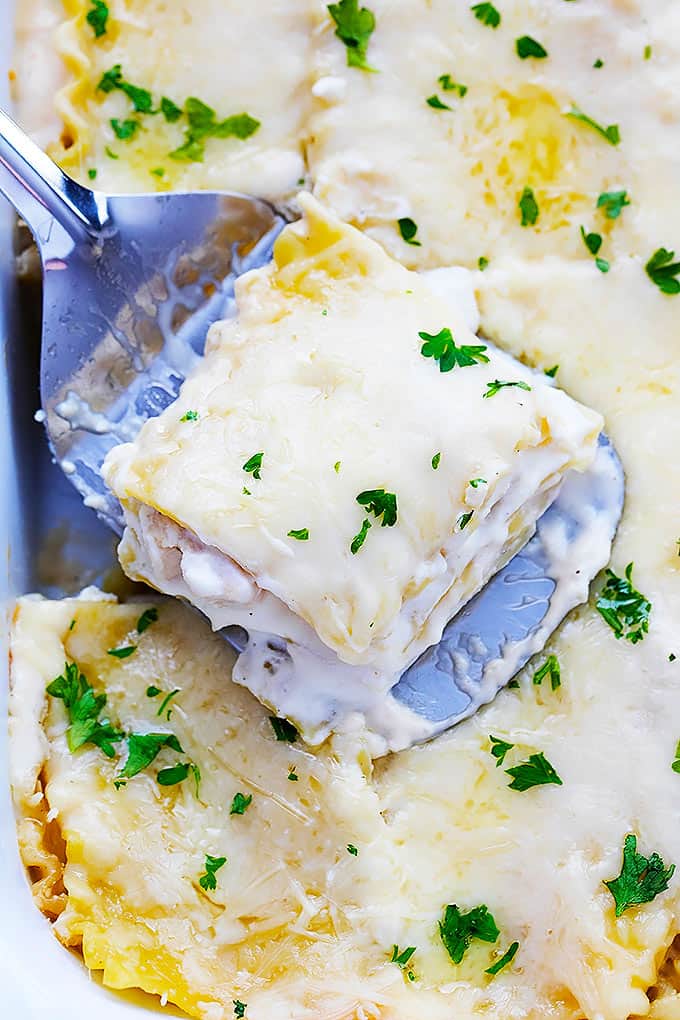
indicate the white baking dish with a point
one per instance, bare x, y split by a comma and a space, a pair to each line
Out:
38, 977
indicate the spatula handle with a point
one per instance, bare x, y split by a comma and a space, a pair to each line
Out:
41, 192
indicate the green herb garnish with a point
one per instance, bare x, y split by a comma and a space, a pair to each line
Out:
487, 14
351, 849
240, 803
593, 242
499, 749
464, 520
166, 701
492, 388
212, 866
113, 79
528, 207
457, 930
97, 18
189, 416
449, 85
551, 372
301, 534
175, 774
148, 617
143, 748
122, 653
382, 504
435, 461
528, 47
663, 271
283, 729
84, 708
550, 668
253, 465
402, 958
354, 27
171, 111
92, 173
293, 776
408, 229
360, 536
203, 123
613, 203
535, 771
124, 129
442, 347
641, 879
610, 133
239, 1009
152, 691
507, 957
676, 763
436, 103
476, 482
482, 263
623, 607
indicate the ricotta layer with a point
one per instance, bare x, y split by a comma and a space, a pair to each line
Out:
322, 376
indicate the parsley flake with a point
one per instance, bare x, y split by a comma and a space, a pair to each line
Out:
97, 18
442, 347
610, 133
139, 97
212, 866
623, 607
360, 536
641, 879
487, 14
122, 653
457, 929
203, 123
166, 701
189, 416
676, 763
351, 849
507, 957
171, 111
240, 803
613, 203
464, 520
148, 617
528, 47
602, 265
302, 534
435, 461
354, 27
152, 691
143, 748
447, 83
283, 729
528, 207
293, 776
499, 749
663, 271
92, 173
598, 63
239, 1009
436, 103
482, 263
124, 129
175, 774
550, 668
382, 504
492, 388
408, 229
593, 242
110, 153
253, 465
551, 372
84, 708
535, 771
476, 482
647, 52
403, 957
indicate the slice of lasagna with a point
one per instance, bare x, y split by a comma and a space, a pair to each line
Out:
343, 472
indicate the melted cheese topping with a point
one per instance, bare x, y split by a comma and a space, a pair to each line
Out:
322, 372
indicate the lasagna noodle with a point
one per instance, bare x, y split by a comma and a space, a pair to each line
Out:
322, 372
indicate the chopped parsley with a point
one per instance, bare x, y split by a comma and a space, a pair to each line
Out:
166, 701
623, 607
203, 123
212, 866
610, 133
551, 372
613, 203
283, 729
442, 347
507, 957
139, 97
143, 748
110, 153
351, 849
240, 803
492, 388
302, 534
435, 461
593, 243
360, 536
436, 103
239, 1009
449, 85
647, 52
641, 879
598, 63
528, 47
535, 771
487, 14
354, 27
482, 263
124, 129
402, 958
122, 653
148, 617
293, 776
476, 482
92, 173
408, 229
382, 504
84, 708
464, 520
171, 111
152, 691
457, 929
676, 763
528, 207
663, 271
189, 416
253, 465
550, 668
175, 774
336, 466
97, 17
499, 749
157, 171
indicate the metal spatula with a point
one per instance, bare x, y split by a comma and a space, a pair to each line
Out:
132, 283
